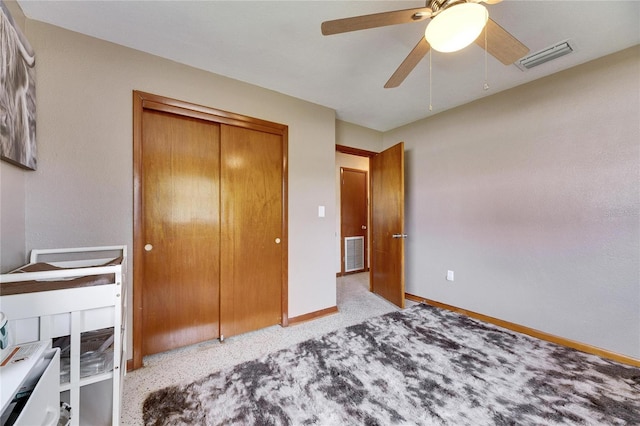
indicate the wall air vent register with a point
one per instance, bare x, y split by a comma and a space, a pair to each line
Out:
545, 55
353, 254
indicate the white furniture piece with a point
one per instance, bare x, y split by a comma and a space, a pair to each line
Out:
68, 292
30, 377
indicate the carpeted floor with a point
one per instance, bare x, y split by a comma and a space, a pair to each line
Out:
181, 366
423, 365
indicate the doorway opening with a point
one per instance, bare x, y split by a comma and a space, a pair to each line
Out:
353, 219
385, 229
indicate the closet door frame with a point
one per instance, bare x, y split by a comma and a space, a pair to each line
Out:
142, 101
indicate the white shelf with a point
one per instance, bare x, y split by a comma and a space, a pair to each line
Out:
71, 311
89, 380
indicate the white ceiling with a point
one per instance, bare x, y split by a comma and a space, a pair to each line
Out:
278, 45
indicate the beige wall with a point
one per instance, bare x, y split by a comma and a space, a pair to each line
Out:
349, 134
12, 195
82, 192
12, 212
532, 197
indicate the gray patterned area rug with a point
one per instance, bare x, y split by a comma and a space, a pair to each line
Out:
422, 366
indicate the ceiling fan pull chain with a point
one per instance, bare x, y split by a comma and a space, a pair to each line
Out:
486, 73
430, 85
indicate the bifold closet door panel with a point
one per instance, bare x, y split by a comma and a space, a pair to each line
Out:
251, 176
181, 193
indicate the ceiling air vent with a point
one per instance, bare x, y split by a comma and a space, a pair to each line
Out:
545, 55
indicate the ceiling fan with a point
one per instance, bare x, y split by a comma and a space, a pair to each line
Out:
452, 21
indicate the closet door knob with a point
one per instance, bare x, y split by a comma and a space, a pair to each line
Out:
277, 240
148, 247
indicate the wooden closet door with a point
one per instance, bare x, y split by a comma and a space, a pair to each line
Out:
251, 176
180, 203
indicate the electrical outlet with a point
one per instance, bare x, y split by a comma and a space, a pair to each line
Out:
449, 275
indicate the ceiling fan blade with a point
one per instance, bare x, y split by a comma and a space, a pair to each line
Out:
408, 64
375, 20
500, 44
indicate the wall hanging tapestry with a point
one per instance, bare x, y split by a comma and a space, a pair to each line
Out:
17, 94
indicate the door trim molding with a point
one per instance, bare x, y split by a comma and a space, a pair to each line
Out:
142, 101
355, 151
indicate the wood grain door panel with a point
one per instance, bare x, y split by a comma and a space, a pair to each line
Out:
387, 219
201, 231
181, 224
252, 233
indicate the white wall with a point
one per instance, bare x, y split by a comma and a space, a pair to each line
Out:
532, 197
82, 193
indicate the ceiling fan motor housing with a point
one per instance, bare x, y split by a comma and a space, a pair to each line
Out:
439, 5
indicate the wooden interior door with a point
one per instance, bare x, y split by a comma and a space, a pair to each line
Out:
253, 234
354, 211
180, 262
387, 224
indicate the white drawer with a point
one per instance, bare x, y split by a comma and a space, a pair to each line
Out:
43, 406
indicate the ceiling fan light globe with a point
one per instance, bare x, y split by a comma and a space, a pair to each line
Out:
456, 27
